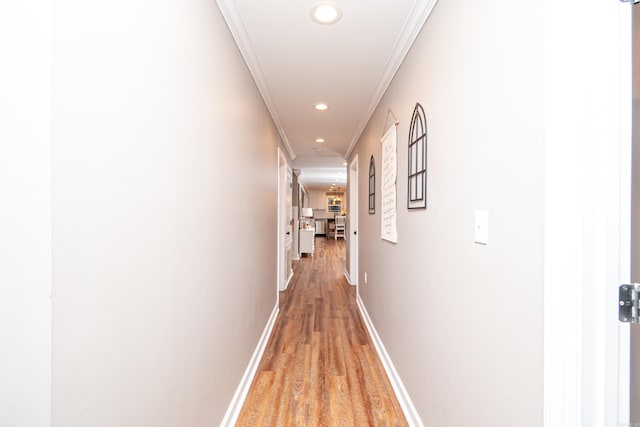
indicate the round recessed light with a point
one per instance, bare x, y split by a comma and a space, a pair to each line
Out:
320, 140
344, 164
321, 107
326, 13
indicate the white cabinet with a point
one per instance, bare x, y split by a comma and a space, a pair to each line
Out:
307, 237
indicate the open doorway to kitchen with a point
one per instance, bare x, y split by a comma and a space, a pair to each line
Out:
320, 221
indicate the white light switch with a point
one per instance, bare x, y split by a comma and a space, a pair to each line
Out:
482, 227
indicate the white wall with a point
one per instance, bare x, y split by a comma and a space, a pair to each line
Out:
317, 199
25, 213
163, 279
463, 322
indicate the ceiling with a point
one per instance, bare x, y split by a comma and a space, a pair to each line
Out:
298, 63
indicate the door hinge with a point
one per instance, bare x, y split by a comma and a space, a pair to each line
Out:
629, 303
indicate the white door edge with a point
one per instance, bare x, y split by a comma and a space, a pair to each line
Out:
281, 273
353, 221
622, 367
586, 197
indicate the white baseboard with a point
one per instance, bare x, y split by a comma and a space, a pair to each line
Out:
346, 274
286, 285
410, 412
233, 411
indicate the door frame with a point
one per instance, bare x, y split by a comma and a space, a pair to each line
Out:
353, 250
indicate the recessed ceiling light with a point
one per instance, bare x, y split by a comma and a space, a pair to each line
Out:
321, 107
326, 13
320, 140
344, 164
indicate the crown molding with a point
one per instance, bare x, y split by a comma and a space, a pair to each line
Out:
420, 12
238, 29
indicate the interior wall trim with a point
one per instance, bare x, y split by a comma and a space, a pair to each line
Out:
410, 411
346, 276
233, 411
233, 18
420, 12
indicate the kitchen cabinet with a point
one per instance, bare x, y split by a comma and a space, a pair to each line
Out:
307, 240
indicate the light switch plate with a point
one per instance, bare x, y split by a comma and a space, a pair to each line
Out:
482, 227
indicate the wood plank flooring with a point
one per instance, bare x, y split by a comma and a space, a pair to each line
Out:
320, 367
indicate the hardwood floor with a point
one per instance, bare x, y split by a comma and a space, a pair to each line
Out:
320, 367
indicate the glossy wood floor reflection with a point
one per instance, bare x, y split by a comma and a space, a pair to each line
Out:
320, 367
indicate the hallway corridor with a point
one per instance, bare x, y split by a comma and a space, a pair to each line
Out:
320, 367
